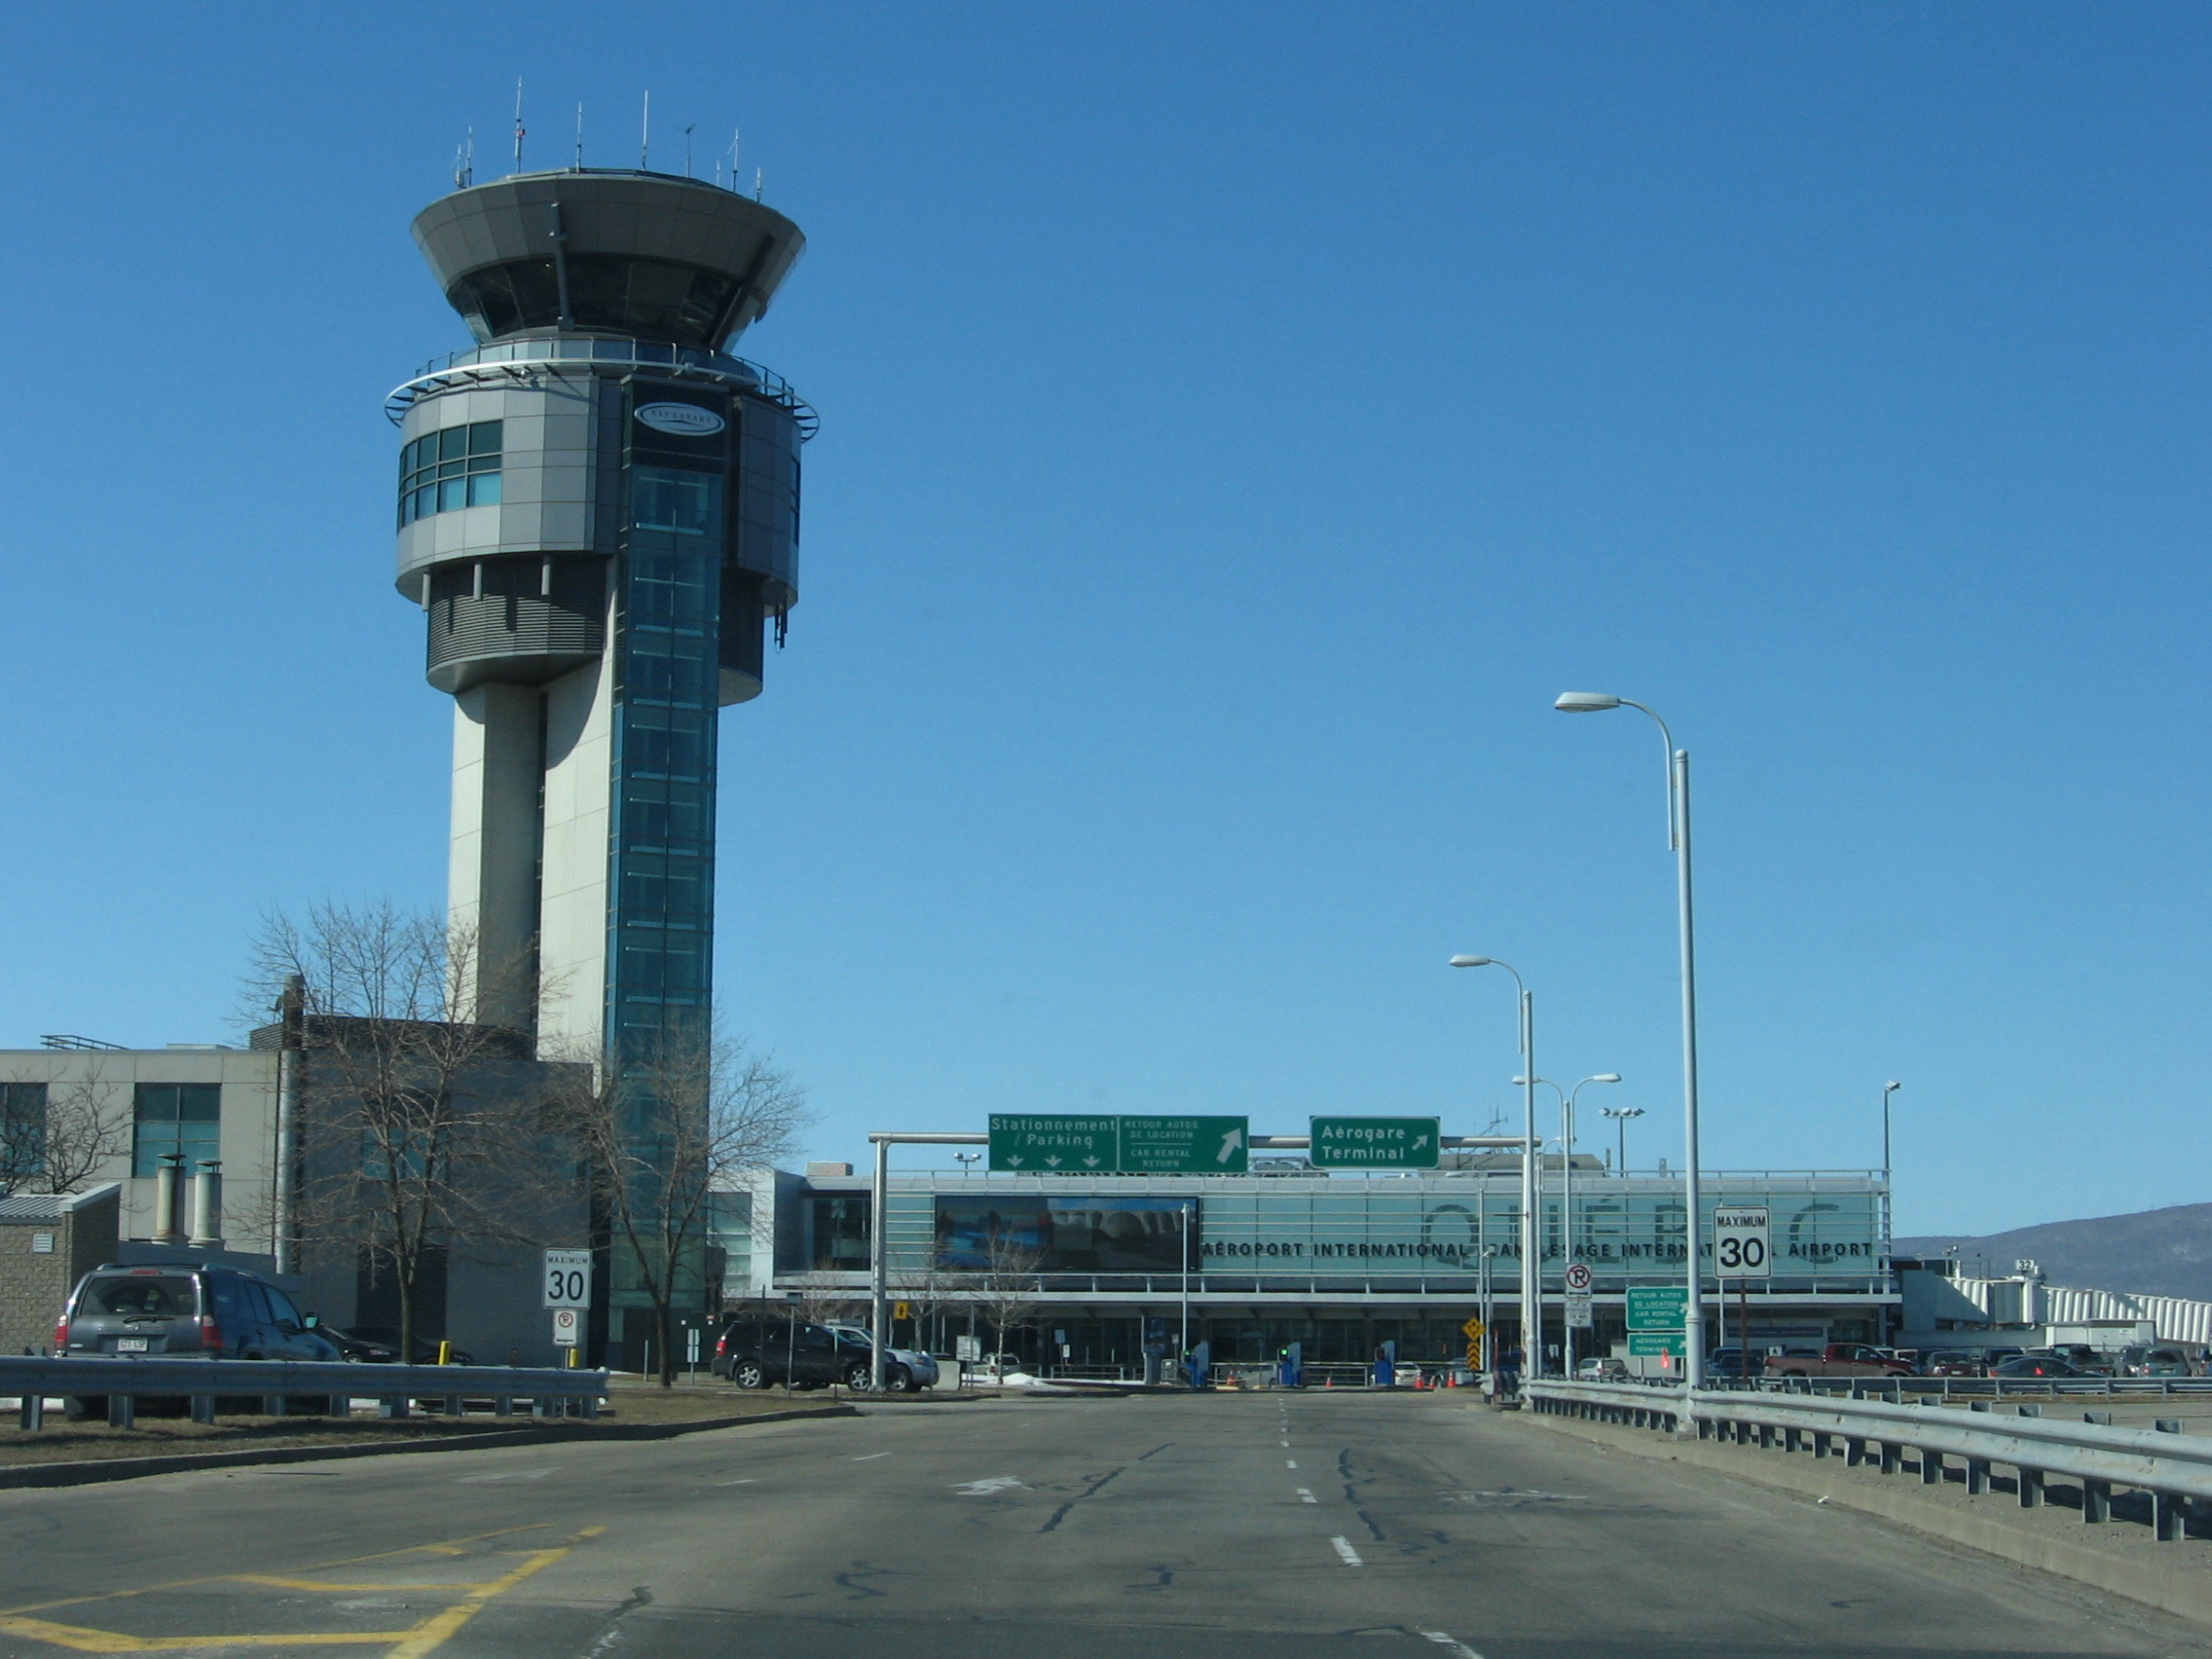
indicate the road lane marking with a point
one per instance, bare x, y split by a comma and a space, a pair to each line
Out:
1344, 1549
871, 1456
416, 1642
1305, 1496
510, 1475
984, 1489
1443, 1639
1290, 1462
748, 1481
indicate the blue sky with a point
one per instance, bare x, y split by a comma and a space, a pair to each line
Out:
1238, 421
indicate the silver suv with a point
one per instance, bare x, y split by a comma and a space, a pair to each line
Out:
186, 1312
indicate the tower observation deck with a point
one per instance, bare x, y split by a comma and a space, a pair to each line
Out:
598, 512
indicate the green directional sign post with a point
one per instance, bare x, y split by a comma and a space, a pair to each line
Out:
1186, 1146
1374, 1143
1657, 1307
1026, 1144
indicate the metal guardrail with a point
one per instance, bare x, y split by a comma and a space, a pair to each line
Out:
1974, 1387
277, 1383
2168, 1465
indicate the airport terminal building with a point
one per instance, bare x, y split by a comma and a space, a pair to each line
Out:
1342, 1262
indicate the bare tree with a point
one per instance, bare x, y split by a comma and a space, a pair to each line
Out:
421, 1130
1008, 1289
58, 1133
659, 1132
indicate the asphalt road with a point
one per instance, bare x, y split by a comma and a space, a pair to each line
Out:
1291, 1525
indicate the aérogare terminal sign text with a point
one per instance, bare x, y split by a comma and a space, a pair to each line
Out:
1373, 1143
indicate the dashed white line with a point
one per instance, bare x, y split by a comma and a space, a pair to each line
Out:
1305, 1496
748, 1481
871, 1456
1344, 1549
1290, 1462
1443, 1639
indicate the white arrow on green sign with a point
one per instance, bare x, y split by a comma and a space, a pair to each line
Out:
1374, 1143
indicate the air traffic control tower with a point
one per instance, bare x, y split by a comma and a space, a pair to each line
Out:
599, 513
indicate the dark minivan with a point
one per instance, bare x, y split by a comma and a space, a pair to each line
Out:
185, 1311
755, 1354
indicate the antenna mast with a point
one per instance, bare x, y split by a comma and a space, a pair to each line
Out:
518, 124
580, 138
687, 150
646, 134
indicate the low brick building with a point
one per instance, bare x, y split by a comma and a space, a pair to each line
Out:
47, 1241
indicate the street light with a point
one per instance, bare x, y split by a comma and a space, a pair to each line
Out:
1566, 1100
1677, 840
1531, 1309
1888, 1089
1621, 1116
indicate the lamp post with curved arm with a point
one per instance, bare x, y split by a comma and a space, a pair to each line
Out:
1677, 840
1531, 1307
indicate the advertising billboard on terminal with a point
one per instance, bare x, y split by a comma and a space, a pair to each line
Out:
1076, 1233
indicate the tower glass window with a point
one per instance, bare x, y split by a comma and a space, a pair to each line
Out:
175, 1116
458, 466
23, 1132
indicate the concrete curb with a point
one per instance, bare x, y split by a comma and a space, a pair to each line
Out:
93, 1471
2179, 1590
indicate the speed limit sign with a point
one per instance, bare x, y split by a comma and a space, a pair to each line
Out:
567, 1279
1740, 1243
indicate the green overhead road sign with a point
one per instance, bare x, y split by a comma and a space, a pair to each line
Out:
1186, 1146
1374, 1143
1024, 1144
1657, 1307
1649, 1345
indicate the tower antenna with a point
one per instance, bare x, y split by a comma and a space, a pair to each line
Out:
687, 150
580, 138
465, 162
736, 137
759, 176
518, 124
646, 134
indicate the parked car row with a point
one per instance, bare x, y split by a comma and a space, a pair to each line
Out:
761, 1354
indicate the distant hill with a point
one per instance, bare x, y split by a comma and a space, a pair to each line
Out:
2161, 1252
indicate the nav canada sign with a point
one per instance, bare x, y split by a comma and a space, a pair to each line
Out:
1037, 1145
1374, 1143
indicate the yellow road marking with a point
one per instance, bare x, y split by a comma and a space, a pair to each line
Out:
431, 1633
414, 1642
447, 1547
83, 1641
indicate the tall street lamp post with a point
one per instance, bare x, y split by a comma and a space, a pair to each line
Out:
1620, 1115
1566, 1100
1888, 1089
1532, 1310
1678, 839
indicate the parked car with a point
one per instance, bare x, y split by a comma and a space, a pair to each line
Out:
1728, 1362
2140, 1361
1602, 1371
1956, 1362
187, 1311
2080, 1355
904, 1369
1837, 1359
2040, 1365
755, 1354
378, 1348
